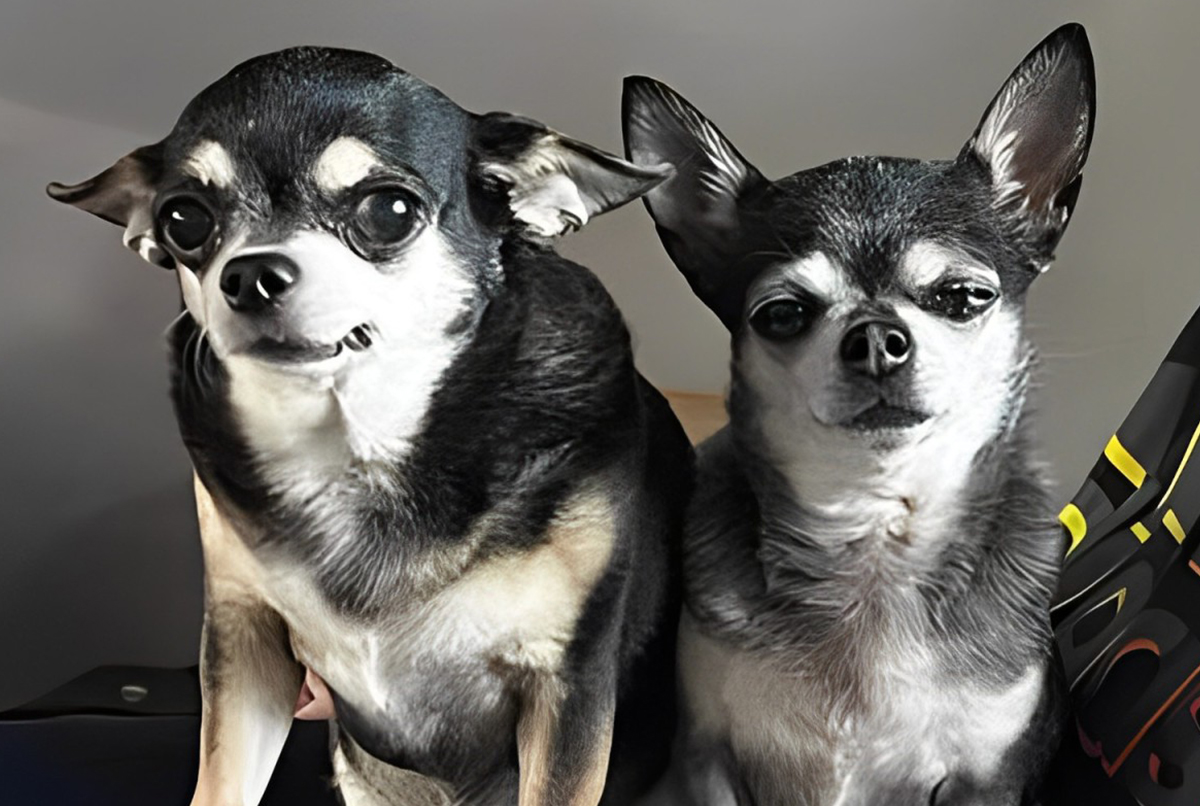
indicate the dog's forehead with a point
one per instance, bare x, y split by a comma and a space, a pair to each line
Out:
866, 213
317, 113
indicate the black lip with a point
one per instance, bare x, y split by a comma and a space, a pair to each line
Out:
304, 352
293, 352
883, 416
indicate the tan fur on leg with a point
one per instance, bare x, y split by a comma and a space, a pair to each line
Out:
542, 782
249, 679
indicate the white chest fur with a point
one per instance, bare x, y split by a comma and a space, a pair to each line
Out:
914, 725
487, 618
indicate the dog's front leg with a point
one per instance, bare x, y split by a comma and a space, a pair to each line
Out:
249, 679
564, 737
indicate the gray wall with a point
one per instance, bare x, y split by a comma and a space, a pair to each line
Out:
98, 555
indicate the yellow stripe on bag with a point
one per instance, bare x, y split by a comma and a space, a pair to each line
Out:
1121, 459
1140, 532
1076, 524
1173, 526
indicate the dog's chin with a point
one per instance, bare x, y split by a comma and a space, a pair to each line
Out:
312, 356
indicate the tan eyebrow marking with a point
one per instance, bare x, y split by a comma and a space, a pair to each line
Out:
344, 162
211, 164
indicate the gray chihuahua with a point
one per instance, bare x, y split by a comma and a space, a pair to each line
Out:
871, 551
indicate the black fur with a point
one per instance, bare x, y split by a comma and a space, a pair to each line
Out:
547, 396
542, 400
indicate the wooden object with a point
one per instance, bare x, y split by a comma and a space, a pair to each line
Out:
702, 414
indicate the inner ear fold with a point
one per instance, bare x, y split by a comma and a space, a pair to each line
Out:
698, 210
555, 184
1035, 135
123, 195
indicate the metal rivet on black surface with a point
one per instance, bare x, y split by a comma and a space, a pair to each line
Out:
134, 693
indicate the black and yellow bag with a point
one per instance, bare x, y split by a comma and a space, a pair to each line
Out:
1127, 615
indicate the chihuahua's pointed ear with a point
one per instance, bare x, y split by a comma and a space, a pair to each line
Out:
698, 210
123, 195
554, 184
1034, 137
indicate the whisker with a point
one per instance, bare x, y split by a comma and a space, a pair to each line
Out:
196, 355
767, 253
205, 358
782, 242
786, 253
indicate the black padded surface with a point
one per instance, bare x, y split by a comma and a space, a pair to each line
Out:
86, 745
95, 760
119, 690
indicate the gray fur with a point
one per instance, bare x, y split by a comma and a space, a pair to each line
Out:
870, 552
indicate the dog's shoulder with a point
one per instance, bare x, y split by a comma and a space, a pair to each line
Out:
724, 497
1003, 574
722, 575
559, 290
555, 333
549, 366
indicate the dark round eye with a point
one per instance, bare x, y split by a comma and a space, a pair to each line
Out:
186, 222
387, 217
778, 320
962, 301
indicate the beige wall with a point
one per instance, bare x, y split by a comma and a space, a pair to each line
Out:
98, 561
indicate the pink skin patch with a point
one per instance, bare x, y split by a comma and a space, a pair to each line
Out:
315, 701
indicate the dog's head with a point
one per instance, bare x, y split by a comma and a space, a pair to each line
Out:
322, 205
872, 300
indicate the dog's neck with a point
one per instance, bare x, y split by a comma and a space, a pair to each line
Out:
813, 546
867, 557
902, 497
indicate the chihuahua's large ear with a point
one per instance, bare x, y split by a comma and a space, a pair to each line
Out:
1035, 135
554, 184
697, 211
123, 195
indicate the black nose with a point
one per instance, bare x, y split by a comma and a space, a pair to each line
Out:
254, 282
876, 348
